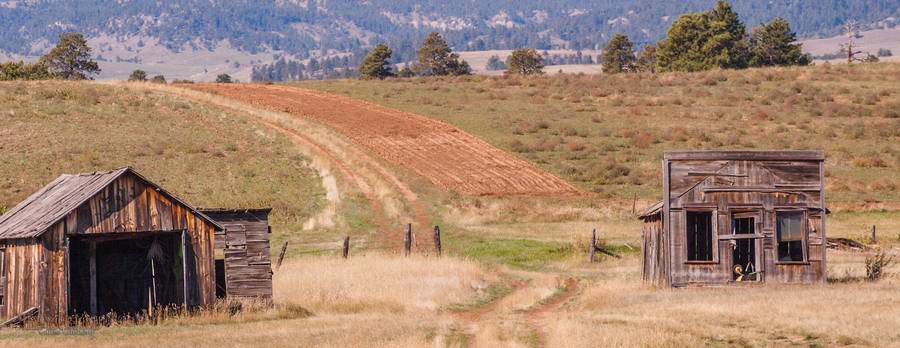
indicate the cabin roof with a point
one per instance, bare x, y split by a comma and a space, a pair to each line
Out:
33, 216
764, 155
235, 210
650, 211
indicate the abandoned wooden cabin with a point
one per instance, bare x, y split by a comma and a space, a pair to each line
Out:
102, 242
730, 217
243, 269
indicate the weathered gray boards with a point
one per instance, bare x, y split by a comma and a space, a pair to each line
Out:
729, 217
245, 242
102, 242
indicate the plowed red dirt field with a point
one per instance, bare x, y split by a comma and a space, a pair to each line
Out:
447, 156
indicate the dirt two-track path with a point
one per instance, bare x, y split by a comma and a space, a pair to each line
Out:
535, 300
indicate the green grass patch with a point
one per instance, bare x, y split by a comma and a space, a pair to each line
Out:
521, 253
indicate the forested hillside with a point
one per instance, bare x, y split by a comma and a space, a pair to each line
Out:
305, 28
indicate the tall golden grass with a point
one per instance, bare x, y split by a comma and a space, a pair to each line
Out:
379, 283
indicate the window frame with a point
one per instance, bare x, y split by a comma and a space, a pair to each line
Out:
804, 231
714, 234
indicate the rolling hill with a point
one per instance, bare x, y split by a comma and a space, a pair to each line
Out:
199, 39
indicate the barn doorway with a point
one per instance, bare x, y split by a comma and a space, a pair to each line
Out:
125, 273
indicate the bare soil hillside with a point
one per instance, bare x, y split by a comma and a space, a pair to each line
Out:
447, 156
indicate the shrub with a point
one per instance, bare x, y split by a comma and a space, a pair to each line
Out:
876, 264
576, 147
869, 162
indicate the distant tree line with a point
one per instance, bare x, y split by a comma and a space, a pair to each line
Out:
305, 29
433, 57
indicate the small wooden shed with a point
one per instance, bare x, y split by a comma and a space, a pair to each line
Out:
101, 242
731, 217
245, 269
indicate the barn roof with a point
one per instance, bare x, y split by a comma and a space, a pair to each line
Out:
31, 217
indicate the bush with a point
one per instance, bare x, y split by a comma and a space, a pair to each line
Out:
875, 265
869, 162
223, 78
158, 79
138, 75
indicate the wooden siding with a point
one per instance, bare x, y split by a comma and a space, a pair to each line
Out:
762, 182
248, 270
654, 251
38, 267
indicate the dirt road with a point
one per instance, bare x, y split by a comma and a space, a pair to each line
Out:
447, 156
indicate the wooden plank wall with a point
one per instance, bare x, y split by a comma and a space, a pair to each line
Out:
248, 270
741, 185
129, 204
23, 274
654, 250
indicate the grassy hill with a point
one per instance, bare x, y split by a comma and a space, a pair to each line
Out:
606, 133
206, 156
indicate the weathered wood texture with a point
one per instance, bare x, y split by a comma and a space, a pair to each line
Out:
248, 267
37, 267
758, 184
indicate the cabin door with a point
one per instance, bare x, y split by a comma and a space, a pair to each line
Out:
744, 237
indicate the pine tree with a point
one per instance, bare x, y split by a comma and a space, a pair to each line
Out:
646, 62
525, 61
618, 55
71, 58
436, 58
774, 44
705, 40
376, 65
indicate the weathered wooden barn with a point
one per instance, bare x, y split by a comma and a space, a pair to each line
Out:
730, 217
102, 242
244, 269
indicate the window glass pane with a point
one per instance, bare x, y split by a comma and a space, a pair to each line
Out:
790, 226
699, 235
790, 236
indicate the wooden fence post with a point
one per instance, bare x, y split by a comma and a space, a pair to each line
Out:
874, 240
346, 246
593, 244
281, 256
437, 240
407, 239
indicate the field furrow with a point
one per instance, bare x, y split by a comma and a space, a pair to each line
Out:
450, 158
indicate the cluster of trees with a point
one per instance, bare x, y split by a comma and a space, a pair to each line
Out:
575, 58
69, 60
435, 58
709, 40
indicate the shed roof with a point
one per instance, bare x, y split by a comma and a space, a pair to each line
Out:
652, 210
31, 217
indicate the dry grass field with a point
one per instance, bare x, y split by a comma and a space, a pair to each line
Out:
606, 133
514, 271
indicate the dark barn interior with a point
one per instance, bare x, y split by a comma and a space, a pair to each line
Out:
132, 273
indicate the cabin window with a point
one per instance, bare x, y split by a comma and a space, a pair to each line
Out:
699, 235
790, 236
